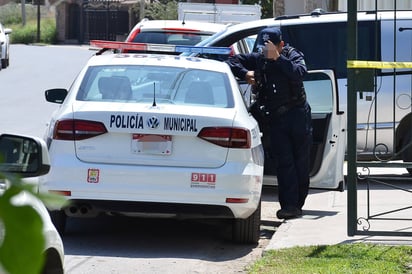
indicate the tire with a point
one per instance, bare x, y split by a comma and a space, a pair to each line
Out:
247, 231
59, 218
407, 153
53, 264
3, 63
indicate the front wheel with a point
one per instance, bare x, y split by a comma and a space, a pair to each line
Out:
247, 231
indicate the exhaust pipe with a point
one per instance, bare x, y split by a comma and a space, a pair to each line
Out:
82, 210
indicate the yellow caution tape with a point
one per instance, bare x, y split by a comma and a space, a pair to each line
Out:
378, 65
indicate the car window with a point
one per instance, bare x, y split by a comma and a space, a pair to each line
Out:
250, 41
163, 84
403, 42
330, 48
318, 88
174, 38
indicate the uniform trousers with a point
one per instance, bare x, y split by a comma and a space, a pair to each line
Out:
291, 140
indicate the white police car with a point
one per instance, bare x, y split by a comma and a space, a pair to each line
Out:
159, 136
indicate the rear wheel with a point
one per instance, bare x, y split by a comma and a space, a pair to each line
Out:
58, 218
247, 231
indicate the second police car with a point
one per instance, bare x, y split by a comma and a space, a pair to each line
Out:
155, 135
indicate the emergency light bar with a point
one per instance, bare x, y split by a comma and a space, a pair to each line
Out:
158, 47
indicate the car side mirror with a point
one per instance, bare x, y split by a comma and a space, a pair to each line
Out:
23, 155
56, 95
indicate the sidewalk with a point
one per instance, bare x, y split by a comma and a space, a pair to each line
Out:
324, 220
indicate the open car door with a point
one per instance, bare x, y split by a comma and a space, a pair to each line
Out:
329, 133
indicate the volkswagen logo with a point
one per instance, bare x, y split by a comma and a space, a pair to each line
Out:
153, 122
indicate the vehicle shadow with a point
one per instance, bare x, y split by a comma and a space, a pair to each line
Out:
120, 236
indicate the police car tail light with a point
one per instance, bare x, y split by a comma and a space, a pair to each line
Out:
226, 136
133, 35
73, 129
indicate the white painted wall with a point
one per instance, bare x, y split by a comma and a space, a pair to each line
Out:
382, 5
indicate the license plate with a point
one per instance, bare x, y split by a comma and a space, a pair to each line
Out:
152, 144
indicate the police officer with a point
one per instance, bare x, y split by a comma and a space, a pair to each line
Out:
276, 71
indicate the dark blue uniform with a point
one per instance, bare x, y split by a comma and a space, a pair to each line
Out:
288, 117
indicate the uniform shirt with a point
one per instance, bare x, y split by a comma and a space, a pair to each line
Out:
281, 79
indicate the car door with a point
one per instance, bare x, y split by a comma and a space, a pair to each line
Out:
329, 132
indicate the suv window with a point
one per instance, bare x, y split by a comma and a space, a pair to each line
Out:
324, 45
403, 42
319, 92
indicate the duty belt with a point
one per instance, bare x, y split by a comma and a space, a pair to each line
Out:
285, 108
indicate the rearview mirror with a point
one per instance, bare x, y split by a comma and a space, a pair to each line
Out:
23, 155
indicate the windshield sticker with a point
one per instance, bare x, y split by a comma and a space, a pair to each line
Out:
180, 124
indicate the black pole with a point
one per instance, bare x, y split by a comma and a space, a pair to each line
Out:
352, 120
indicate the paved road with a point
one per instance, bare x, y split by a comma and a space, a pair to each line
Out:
32, 70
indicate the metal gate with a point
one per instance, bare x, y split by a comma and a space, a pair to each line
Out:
359, 176
104, 20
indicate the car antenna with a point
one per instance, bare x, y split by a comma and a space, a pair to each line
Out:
154, 94
183, 20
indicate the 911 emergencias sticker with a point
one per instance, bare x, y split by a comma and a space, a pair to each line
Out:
203, 180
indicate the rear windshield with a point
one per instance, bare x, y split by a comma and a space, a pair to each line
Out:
165, 85
174, 38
